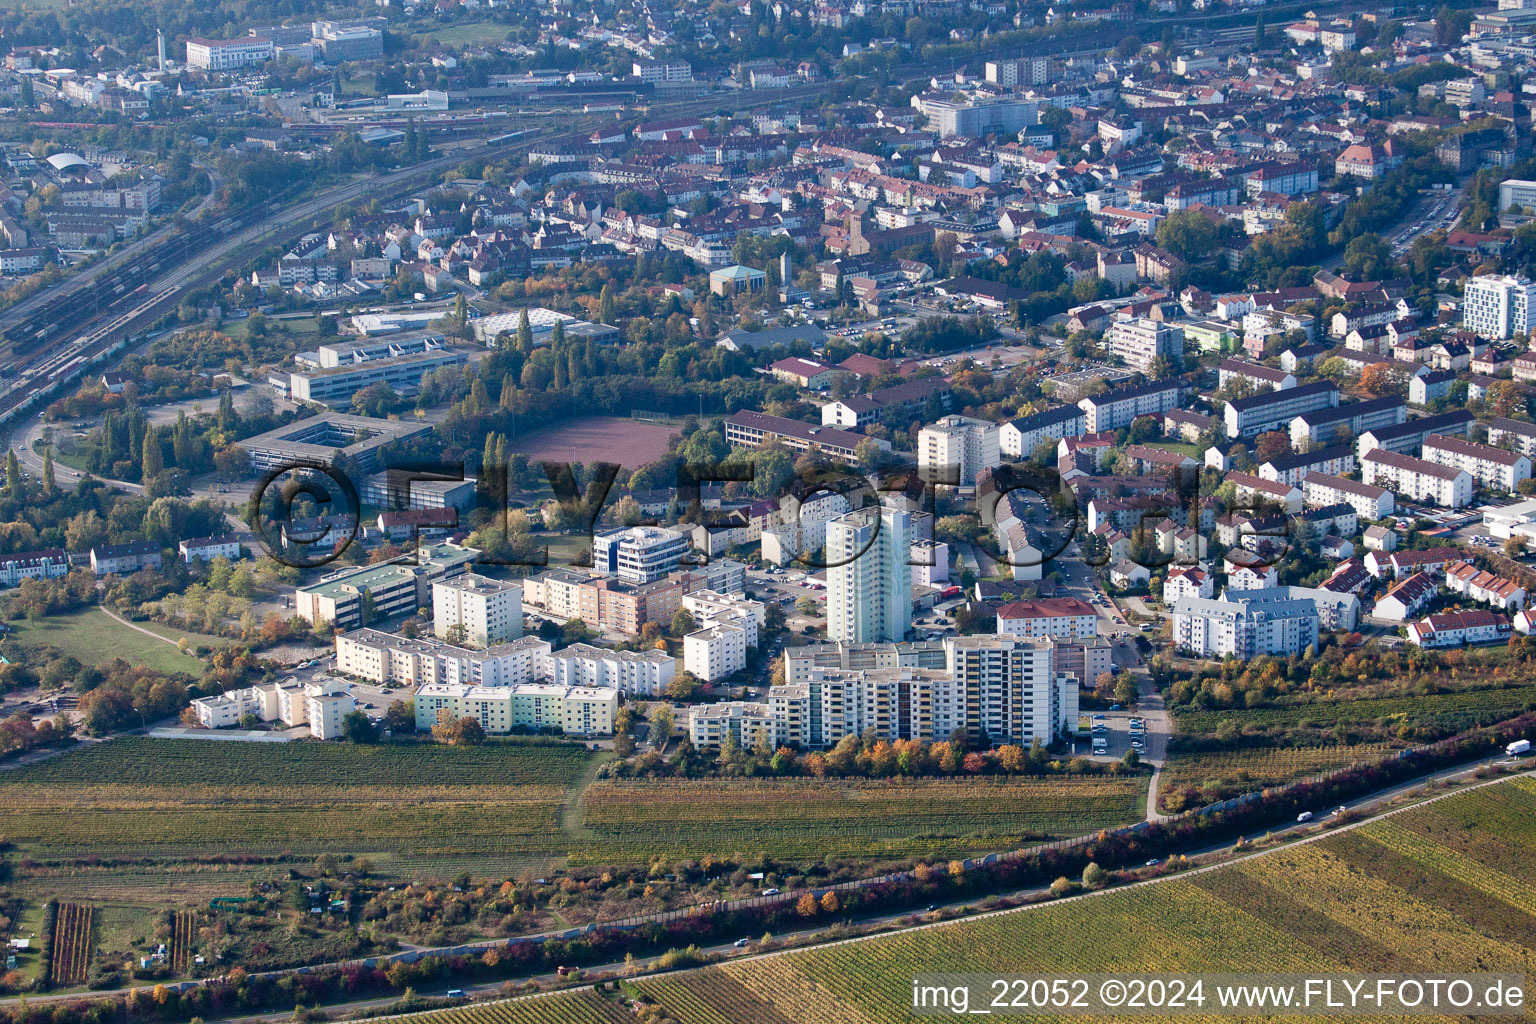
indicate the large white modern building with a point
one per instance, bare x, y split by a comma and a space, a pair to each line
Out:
956, 449
1498, 306
227, 54
869, 580
1141, 341
639, 554
1257, 622
632, 673
490, 611
994, 689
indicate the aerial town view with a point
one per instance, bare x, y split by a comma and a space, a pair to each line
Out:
762, 512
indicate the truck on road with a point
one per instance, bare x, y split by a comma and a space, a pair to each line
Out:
1518, 747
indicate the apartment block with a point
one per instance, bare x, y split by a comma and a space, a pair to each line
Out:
1018, 438
632, 673
715, 652
489, 611
1114, 409
994, 689
1489, 466
1274, 410
1328, 426
1498, 306
533, 707
956, 449
1259, 622
1418, 479
869, 582
1140, 342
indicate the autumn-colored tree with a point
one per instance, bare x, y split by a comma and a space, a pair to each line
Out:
1271, 444
829, 903
974, 763
807, 906
1011, 757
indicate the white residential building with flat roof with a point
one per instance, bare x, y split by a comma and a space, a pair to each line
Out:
956, 449
1258, 622
715, 652
534, 707
490, 611
869, 580
1141, 341
1498, 306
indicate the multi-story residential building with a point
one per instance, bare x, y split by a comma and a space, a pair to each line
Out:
1489, 466
715, 652
1326, 426
606, 603
1018, 438
122, 559
1140, 342
752, 429
1274, 410
866, 657
227, 54
1397, 564
1498, 306
1187, 581
1406, 598
44, 564
1417, 479
1259, 376
206, 549
1409, 436
1515, 435
346, 597
632, 673
319, 705
956, 449
488, 611
1065, 617
869, 583
531, 707
1258, 622
1114, 409
388, 658
994, 689
1293, 469
658, 72
639, 554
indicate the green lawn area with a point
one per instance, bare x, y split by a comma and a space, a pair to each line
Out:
1183, 448
474, 32
96, 638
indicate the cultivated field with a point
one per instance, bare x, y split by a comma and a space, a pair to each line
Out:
1451, 712
1440, 889
849, 818
1258, 767
89, 820
95, 638
580, 1007
137, 819
628, 442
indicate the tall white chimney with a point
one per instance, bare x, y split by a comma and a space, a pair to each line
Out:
160, 47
